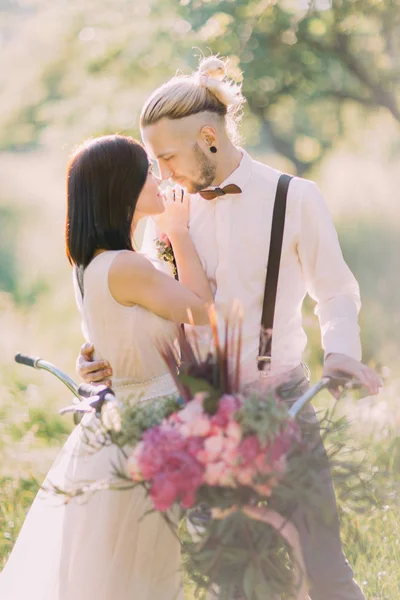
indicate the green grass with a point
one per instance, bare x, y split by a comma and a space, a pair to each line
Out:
372, 540
15, 499
372, 546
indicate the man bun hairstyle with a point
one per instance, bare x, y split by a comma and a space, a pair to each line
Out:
206, 90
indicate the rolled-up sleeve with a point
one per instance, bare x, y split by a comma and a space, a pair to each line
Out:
329, 280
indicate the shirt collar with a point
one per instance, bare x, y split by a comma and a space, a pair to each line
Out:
241, 175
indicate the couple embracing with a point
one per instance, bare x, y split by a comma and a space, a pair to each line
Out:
218, 219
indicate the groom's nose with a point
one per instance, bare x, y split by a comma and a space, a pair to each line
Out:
165, 173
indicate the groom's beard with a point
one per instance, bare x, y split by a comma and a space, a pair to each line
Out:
207, 171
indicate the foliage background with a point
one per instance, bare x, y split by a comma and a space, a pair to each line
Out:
322, 87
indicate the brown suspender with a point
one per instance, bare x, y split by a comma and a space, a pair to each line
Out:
271, 282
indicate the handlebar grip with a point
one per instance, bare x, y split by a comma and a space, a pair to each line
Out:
29, 361
87, 390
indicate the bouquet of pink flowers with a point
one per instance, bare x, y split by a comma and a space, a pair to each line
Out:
235, 464
193, 448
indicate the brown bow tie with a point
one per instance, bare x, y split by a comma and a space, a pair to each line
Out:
231, 188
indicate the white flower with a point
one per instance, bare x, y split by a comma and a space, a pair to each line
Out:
111, 416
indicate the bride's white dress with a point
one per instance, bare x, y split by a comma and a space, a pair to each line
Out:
100, 547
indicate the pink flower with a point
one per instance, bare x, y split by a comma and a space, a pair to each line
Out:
244, 476
234, 432
213, 447
158, 442
164, 239
227, 406
163, 492
179, 478
218, 474
248, 449
200, 427
215, 429
192, 410
230, 451
194, 445
201, 456
188, 497
167, 461
133, 463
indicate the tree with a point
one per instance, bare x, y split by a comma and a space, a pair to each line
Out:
302, 68
85, 68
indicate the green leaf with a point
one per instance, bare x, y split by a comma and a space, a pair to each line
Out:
196, 385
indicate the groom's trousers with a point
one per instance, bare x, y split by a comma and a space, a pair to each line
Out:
329, 573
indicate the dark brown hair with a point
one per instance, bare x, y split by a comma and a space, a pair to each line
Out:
104, 179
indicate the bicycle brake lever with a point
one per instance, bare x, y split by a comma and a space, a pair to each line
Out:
90, 403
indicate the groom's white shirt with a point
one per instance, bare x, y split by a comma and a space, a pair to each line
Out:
232, 235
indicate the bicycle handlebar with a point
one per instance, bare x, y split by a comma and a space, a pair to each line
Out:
87, 390
37, 363
29, 361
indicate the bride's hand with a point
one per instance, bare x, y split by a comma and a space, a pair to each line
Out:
175, 218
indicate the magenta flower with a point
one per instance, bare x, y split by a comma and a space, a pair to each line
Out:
163, 492
249, 449
167, 460
158, 442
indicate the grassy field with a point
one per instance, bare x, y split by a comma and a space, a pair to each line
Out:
38, 316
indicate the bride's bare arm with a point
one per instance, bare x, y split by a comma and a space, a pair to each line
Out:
134, 280
174, 222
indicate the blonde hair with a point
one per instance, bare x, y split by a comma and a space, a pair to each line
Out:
206, 90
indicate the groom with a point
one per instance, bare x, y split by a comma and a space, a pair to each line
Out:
188, 126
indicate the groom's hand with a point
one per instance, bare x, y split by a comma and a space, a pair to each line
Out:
90, 370
343, 366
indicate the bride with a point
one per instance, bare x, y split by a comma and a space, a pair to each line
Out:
100, 547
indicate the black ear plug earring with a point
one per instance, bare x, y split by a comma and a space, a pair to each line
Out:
213, 149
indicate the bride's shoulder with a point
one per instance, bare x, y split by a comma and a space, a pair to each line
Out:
130, 263
130, 277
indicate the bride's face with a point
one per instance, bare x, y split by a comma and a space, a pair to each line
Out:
150, 201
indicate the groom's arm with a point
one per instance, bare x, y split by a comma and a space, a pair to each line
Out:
329, 280
333, 286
